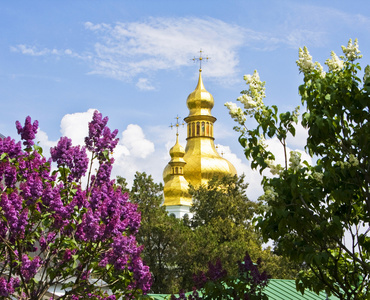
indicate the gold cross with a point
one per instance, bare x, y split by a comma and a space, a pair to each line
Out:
177, 125
200, 58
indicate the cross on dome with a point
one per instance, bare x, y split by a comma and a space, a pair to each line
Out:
200, 58
177, 125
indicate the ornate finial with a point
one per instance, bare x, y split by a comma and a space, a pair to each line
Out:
200, 58
177, 125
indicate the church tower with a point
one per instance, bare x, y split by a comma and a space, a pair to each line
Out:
200, 161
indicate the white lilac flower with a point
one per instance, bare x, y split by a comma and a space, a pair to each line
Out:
247, 101
294, 160
335, 63
236, 112
351, 51
305, 63
270, 194
274, 169
262, 141
353, 160
253, 97
318, 176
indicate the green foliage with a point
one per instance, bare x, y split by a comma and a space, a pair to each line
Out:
319, 214
216, 283
221, 228
223, 224
161, 234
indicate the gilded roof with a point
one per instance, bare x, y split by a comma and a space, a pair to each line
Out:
202, 159
200, 101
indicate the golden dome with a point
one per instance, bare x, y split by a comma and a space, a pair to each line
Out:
200, 101
200, 161
177, 151
176, 192
203, 162
176, 187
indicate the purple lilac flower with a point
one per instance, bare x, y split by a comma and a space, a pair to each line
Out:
28, 132
35, 163
80, 198
10, 209
16, 218
215, 271
9, 146
71, 156
200, 280
104, 172
7, 288
42, 242
32, 189
85, 275
103, 262
67, 255
142, 275
88, 230
22, 223
3, 287
256, 278
100, 137
29, 267
10, 176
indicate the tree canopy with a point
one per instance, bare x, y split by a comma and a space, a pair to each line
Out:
317, 214
221, 229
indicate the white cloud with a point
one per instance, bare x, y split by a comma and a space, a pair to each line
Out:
30, 50
129, 49
134, 140
43, 140
75, 126
300, 139
252, 177
34, 51
144, 84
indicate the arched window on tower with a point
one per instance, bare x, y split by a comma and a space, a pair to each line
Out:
189, 130
207, 129
203, 129
198, 128
193, 129
176, 170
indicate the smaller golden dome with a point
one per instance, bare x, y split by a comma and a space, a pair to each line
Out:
175, 189
177, 151
200, 101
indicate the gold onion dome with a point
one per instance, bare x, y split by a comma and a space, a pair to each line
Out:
200, 101
177, 152
176, 187
201, 160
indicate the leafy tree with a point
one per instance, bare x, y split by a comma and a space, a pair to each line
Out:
223, 228
56, 233
318, 214
161, 234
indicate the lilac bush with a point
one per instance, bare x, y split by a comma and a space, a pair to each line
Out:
55, 232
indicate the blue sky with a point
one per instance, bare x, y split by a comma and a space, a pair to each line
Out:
131, 60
